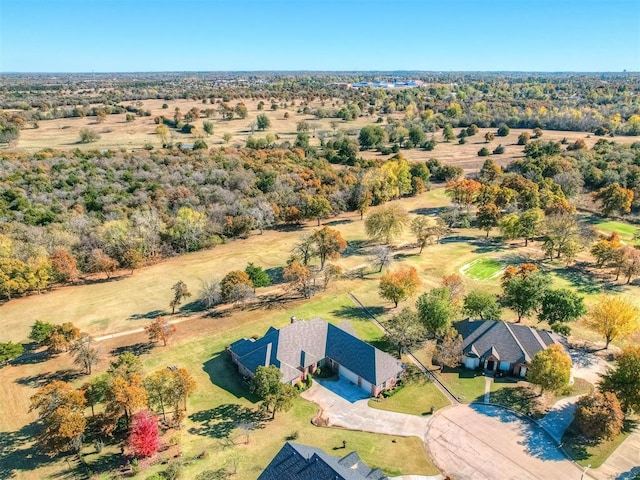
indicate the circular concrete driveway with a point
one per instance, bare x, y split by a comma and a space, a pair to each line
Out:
481, 442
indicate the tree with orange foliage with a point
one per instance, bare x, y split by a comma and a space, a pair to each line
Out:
329, 244
300, 278
397, 285
523, 271
64, 268
60, 411
182, 385
630, 262
605, 250
160, 329
615, 199
464, 191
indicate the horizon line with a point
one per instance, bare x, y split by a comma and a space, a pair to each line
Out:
394, 71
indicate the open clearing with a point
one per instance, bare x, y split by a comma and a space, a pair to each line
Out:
482, 269
625, 231
117, 134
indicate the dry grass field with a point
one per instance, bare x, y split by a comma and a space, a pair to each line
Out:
116, 133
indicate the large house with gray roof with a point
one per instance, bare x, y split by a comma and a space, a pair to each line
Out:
304, 346
299, 462
502, 346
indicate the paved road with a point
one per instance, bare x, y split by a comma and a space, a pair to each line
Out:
624, 463
481, 442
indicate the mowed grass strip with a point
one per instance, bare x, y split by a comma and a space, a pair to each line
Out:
482, 269
626, 231
413, 399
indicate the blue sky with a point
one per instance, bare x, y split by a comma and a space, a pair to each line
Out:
215, 35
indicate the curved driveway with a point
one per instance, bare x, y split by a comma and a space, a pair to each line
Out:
467, 442
338, 412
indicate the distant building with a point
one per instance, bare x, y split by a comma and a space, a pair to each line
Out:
303, 346
508, 347
393, 84
299, 462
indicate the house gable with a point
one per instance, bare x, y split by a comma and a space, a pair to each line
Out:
300, 462
301, 344
507, 342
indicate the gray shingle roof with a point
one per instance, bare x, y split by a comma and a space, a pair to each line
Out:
300, 462
305, 342
509, 342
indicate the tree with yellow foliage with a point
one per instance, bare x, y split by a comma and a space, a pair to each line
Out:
613, 317
60, 411
550, 369
124, 397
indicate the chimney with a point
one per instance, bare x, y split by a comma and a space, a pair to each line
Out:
267, 359
293, 319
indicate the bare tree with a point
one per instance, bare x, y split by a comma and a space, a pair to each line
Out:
382, 256
85, 355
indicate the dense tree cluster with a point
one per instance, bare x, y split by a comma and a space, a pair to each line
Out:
97, 212
124, 393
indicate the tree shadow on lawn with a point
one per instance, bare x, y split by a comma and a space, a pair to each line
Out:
221, 421
355, 247
487, 245
458, 239
288, 227
576, 445
138, 349
585, 281
270, 302
148, 316
192, 307
31, 358
522, 399
428, 211
354, 312
102, 464
16, 456
402, 256
42, 379
224, 374
633, 474
338, 222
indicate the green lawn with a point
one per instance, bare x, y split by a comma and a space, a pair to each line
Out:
525, 398
222, 401
626, 231
467, 385
482, 269
593, 454
413, 399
